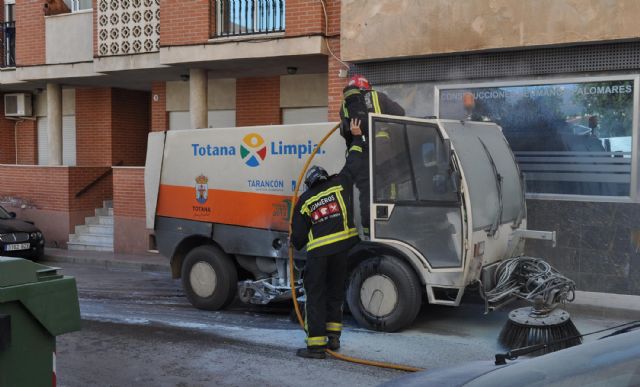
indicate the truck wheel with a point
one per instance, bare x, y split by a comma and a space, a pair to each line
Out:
209, 278
384, 294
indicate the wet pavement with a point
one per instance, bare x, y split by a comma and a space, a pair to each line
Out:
139, 329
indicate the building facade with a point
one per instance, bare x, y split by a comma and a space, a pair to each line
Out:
102, 74
560, 77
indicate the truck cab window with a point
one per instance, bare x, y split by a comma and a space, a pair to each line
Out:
431, 169
393, 179
410, 164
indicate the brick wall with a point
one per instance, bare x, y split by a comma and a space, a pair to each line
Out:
159, 114
304, 17
130, 234
185, 22
7, 138
50, 195
55, 188
93, 126
130, 121
30, 33
335, 83
111, 126
28, 142
258, 101
128, 192
79, 178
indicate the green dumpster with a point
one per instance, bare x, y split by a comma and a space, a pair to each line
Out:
36, 305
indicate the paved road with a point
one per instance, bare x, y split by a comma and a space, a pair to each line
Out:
138, 329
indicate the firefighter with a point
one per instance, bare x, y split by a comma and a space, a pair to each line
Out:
323, 221
360, 100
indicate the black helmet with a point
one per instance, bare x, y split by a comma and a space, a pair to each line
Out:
315, 175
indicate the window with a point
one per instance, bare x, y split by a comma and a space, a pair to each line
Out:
9, 10
410, 164
78, 5
568, 138
9, 34
242, 17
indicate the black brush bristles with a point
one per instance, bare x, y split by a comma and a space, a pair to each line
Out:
558, 335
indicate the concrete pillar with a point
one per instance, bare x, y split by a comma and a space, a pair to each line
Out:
54, 123
198, 98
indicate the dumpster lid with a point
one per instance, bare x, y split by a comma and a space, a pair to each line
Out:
18, 271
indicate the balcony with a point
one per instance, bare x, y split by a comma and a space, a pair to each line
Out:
69, 37
8, 45
249, 17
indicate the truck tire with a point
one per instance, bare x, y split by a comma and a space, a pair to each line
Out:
384, 294
209, 278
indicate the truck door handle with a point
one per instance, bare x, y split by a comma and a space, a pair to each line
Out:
382, 212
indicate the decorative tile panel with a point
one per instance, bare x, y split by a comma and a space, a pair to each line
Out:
128, 27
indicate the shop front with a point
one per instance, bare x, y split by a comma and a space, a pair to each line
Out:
574, 135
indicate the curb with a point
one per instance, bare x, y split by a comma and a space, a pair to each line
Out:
609, 305
600, 311
107, 263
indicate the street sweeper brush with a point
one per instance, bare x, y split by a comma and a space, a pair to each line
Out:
536, 324
534, 280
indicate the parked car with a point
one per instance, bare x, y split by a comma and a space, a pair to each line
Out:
613, 361
19, 238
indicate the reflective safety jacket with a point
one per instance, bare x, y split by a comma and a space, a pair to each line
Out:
359, 103
323, 216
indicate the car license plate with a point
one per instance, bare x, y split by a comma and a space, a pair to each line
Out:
17, 246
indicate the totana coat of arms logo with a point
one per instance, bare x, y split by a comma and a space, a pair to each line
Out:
202, 189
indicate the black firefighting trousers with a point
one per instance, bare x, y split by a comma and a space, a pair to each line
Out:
324, 285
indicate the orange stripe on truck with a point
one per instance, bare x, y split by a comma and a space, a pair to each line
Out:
248, 209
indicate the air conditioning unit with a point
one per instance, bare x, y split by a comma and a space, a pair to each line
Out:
17, 105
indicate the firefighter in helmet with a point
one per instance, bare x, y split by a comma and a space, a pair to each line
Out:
360, 100
323, 221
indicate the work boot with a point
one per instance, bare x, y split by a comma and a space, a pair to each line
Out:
312, 353
334, 343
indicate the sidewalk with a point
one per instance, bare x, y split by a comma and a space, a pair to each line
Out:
139, 262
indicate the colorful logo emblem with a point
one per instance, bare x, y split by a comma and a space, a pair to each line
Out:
253, 149
202, 189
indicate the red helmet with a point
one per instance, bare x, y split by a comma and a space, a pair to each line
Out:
360, 82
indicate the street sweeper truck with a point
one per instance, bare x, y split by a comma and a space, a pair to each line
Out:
446, 199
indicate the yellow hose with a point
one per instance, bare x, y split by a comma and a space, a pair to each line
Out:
292, 277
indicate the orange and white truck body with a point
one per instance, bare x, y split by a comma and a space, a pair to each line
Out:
238, 176
446, 203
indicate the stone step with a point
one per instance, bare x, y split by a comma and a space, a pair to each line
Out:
88, 247
98, 229
105, 220
104, 211
93, 239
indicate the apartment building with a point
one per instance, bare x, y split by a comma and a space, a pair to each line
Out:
102, 74
560, 76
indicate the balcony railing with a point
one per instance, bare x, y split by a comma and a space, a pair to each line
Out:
8, 32
249, 17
